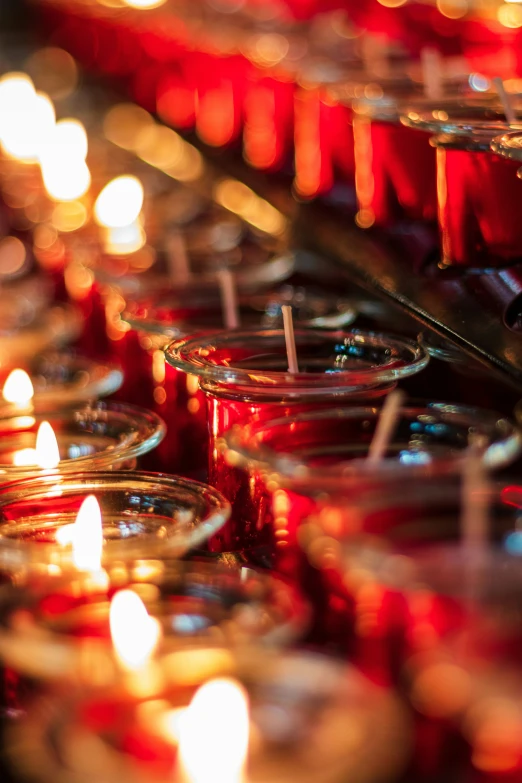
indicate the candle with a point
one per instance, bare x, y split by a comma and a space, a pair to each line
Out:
478, 223
82, 436
226, 702
244, 377
176, 397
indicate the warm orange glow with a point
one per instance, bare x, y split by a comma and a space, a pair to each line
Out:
144, 4
85, 536
65, 173
135, 634
27, 128
214, 736
18, 388
240, 199
510, 16
120, 202
125, 240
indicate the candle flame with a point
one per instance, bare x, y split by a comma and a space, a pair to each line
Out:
119, 203
65, 173
18, 388
135, 634
144, 4
213, 743
85, 535
47, 451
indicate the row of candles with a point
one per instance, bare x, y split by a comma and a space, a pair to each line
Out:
146, 641
401, 145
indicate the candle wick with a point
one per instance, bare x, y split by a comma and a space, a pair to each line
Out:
229, 304
291, 351
386, 426
431, 63
177, 258
505, 99
476, 498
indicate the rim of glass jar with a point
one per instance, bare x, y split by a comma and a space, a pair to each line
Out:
470, 127
60, 324
240, 445
150, 430
16, 553
508, 145
189, 355
307, 683
97, 379
277, 612
274, 270
341, 313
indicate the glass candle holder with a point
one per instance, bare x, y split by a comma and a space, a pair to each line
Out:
244, 378
66, 617
395, 168
144, 516
462, 660
477, 190
309, 694
175, 396
94, 435
276, 472
61, 378
56, 326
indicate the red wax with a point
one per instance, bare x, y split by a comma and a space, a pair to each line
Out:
479, 218
395, 173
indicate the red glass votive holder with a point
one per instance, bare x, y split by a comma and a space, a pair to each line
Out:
395, 167
174, 395
477, 191
309, 694
89, 436
244, 378
291, 464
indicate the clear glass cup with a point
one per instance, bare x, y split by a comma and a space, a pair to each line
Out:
65, 618
144, 516
477, 190
56, 326
367, 728
95, 435
244, 377
176, 397
285, 465
63, 377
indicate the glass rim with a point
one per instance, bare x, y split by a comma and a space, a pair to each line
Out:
508, 145
277, 268
150, 428
15, 552
188, 355
282, 612
470, 128
341, 312
103, 378
238, 442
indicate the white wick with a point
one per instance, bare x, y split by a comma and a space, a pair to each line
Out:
475, 505
291, 352
431, 64
177, 258
227, 285
505, 100
385, 426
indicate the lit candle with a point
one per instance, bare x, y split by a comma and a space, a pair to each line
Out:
18, 388
46, 455
214, 736
118, 211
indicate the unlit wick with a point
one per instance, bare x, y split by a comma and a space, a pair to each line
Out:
177, 258
291, 351
431, 64
229, 304
505, 99
386, 426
